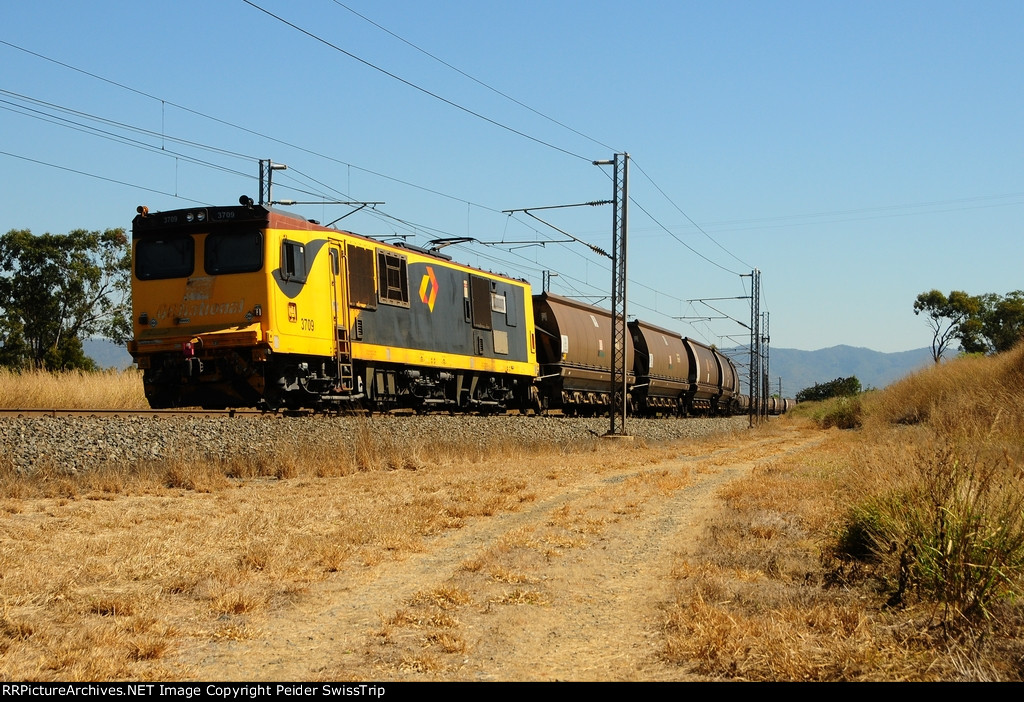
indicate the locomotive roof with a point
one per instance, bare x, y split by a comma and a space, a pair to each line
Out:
204, 217
146, 223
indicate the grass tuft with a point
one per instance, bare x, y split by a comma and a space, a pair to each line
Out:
951, 531
938, 517
838, 412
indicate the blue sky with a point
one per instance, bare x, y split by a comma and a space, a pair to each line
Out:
857, 154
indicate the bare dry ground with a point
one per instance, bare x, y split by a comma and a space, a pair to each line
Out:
539, 565
708, 559
571, 585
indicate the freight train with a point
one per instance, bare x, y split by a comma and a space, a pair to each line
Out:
249, 306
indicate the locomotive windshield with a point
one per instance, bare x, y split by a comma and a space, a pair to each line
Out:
172, 257
233, 252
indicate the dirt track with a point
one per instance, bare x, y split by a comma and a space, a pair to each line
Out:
569, 588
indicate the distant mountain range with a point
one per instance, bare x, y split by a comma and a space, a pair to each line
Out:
798, 369
107, 354
802, 369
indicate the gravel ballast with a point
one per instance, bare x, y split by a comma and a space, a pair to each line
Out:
79, 443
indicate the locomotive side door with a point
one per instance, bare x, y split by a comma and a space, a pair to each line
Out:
339, 313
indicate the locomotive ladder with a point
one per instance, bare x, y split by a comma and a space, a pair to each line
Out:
344, 359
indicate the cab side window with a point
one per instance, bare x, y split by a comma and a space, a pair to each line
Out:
293, 261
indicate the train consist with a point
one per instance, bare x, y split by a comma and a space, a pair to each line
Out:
247, 306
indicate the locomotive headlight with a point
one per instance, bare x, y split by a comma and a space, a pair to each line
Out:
201, 216
257, 311
189, 217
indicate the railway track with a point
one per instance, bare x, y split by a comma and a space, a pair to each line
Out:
31, 412
72, 440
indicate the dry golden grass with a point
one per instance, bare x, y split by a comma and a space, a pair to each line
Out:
112, 573
950, 508
72, 390
754, 601
965, 399
894, 552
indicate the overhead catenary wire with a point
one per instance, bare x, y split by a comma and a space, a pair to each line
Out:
126, 141
167, 102
688, 218
474, 79
376, 213
99, 177
883, 211
537, 112
684, 244
241, 128
409, 83
164, 137
118, 138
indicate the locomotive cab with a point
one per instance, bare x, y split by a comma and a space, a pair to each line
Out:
205, 316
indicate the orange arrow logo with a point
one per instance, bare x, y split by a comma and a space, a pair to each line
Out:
428, 288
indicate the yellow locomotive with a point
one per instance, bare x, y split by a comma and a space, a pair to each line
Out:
248, 306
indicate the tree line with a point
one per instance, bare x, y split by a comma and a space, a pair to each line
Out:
840, 387
56, 290
987, 323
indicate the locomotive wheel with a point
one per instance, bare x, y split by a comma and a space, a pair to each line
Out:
164, 399
271, 402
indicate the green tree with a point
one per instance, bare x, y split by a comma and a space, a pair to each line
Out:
971, 331
58, 289
945, 315
839, 387
1005, 324
998, 325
